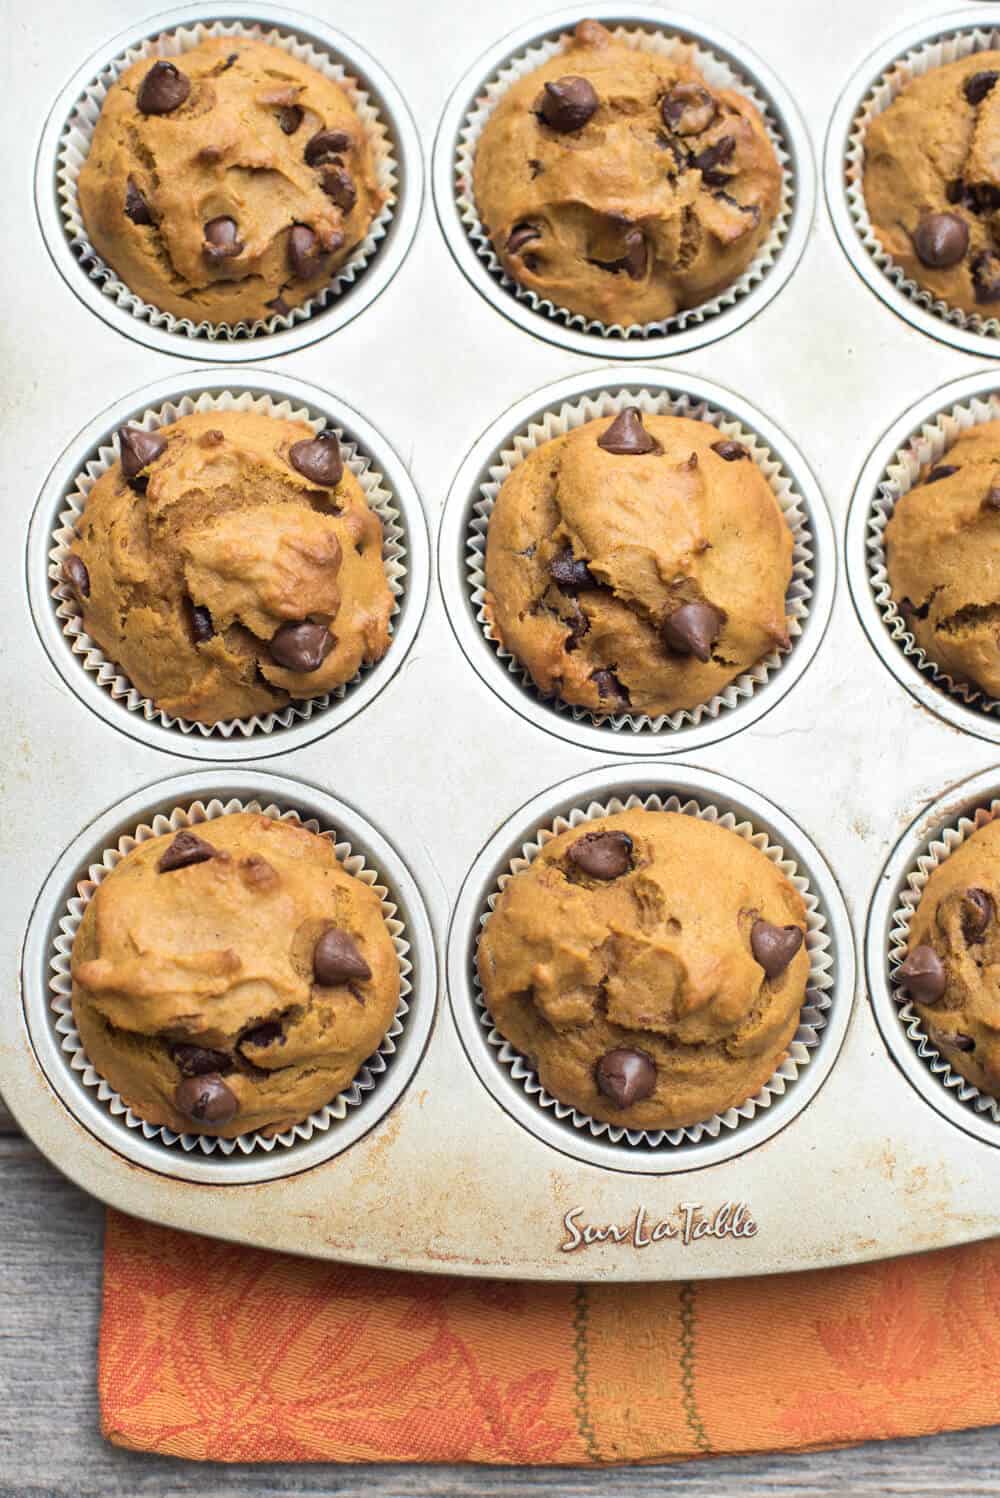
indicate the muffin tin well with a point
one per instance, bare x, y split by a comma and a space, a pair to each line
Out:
566, 404
101, 291
45, 989
925, 844
97, 682
731, 62
817, 1042
923, 432
937, 39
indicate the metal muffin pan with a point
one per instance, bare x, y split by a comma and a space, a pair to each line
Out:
86, 849
921, 312
781, 107
911, 671
384, 263
601, 786
555, 716
190, 741
449, 1178
928, 1080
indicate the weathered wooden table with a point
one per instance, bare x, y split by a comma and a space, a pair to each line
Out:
50, 1281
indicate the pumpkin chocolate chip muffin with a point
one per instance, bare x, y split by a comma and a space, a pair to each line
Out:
943, 556
952, 967
650, 965
233, 978
932, 182
638, 563
228, 184
618, 183
229, 563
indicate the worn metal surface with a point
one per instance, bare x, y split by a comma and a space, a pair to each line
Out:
437, 762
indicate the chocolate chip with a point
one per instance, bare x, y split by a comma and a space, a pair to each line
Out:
955, 190
568, 103
279, 305
196, 1061
318, 459
636, 255
626, 436
290, 117
609, 688
265, 1034
692, 629
163, 89
229, 62
625, 1076
520, 235
983, 197
222, 240
986, 277
136, 207
924, 974
578, 625
185, 850
339, 186
201, 623
992, 500
712, 157
336, 959
730, 451
955, 1042
570, 572
301, 646
305, 254
602, 855
138, 449
979, 85
76, 576
941, 471
688, 109
325, 145
206, 1099
774, 946
977, 913
941, 239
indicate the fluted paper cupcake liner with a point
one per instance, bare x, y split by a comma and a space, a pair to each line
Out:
61, 985
79, 130
721, 74
912, 64
566, 418
944, 844
813, 1015
925, 448
108, 674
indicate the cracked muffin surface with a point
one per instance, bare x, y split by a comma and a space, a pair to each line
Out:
943, 557
952, 968
932, 182
229, 183
650, 965
618, 183
232, 977
638, 563
229, 563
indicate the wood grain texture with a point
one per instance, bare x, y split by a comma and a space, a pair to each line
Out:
50, 1448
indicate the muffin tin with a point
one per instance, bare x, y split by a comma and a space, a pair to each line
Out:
444, 765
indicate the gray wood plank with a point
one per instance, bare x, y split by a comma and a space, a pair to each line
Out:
49, 1444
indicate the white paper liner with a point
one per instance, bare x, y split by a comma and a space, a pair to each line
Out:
74, 146
61, 984
813, 1015
944, 844
92, 658
924, 448
934, 53
568, 417
720, 74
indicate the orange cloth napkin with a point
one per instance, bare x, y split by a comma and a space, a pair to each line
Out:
232, 1354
